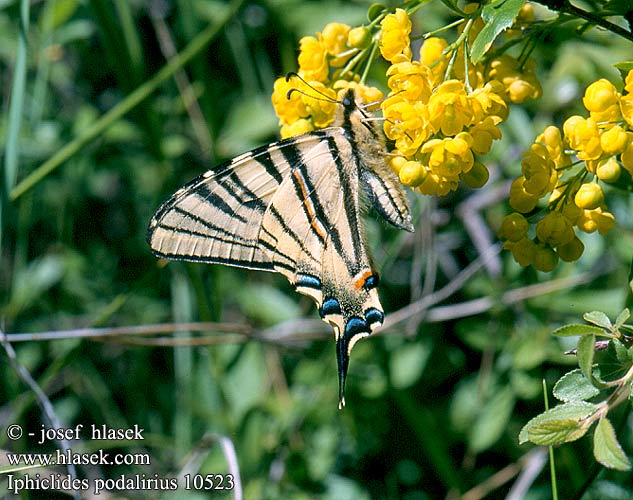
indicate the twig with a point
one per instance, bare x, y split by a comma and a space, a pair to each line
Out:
42, 399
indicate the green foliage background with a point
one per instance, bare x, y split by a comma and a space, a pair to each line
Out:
435, 403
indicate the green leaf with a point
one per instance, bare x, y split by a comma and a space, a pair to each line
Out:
375, 9
559, 424
606, 448
622, 318
624, 66
598, 318
574, 386
621, 352
492, 422
576, 329
407, 364
585, 353
498, 15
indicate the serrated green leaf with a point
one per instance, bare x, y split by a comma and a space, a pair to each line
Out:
598, 318
585, 353
574, 411
574, 386
606, 447
622, 318
576, 329
498, 15
557, 431
624, 66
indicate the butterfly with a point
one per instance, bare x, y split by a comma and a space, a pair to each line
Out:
294, 207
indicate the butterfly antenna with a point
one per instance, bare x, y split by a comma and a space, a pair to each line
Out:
324, 97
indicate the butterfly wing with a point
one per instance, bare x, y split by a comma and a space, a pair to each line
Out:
313, 222
217, 217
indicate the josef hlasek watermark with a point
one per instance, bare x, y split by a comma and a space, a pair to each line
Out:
56, 481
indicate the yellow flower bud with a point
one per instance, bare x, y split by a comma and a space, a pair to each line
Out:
545, 259
627, 155
609, 170
589, 196
571, 251
397, 162
600, 95
520, 199
614, 140
359, 37
477, 176
412, 173
554, 229
514, 227
523, 251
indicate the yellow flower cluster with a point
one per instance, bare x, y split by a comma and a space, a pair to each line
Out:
603, 142
321, 61
438, 124
439, 114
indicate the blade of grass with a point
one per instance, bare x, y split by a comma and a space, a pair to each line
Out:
16, 109
131, 101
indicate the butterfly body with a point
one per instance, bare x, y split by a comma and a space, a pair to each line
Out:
294, 207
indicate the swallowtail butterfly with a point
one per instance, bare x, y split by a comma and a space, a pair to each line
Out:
294, 207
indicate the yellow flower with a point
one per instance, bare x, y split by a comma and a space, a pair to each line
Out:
583, 136
435, 184
359, 37
406, 123
449, 157
626, 108
520, 82
487, 101
334, 39
627, 155
312, 59
288, 108
614, 140
628, 82
520, 199
449, 108
538, 171
483, 133
600, 95
589, 196
569, 252
394, 35
523, 250
432, 55
551, 138
545, 259
597, 219
321, 112
554, 229
298, 127
412, 173
410, 80
514, 227
365, 93
477, 176
609, 170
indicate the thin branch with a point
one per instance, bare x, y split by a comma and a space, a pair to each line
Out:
42, 399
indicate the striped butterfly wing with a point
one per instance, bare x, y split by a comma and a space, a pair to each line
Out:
294, 207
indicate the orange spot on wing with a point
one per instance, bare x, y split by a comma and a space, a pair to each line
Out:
359, 281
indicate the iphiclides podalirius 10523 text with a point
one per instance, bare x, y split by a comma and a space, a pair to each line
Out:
293, 207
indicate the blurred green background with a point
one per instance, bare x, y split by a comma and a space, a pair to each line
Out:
434, 403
